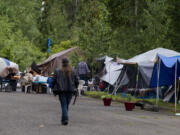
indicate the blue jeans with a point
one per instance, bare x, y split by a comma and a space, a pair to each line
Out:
65, 99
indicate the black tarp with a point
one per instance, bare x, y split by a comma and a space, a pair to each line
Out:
35, 68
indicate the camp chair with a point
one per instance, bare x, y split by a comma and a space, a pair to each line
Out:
27, 86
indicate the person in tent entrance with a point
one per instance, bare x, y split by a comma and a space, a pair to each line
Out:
83, 71
65, 84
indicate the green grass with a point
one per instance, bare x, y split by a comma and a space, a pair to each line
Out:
120, 99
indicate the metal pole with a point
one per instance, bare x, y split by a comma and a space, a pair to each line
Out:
137, 78
116, 86
178, 92
175, 85
109, 77
114, 92
158, 74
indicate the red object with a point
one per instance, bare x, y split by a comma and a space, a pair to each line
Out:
101, 85
107, 101
129, 106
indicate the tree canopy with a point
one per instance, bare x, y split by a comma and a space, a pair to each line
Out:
121, 28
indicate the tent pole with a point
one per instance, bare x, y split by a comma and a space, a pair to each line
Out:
118, 84
137, 78
114, 91
109, 77
175, 86
116, 87
157, 90
178, 90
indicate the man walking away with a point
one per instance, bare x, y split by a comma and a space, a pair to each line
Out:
83, 71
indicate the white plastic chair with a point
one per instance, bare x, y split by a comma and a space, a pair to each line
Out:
26, 88
49, 90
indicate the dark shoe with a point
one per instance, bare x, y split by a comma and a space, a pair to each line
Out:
65, 122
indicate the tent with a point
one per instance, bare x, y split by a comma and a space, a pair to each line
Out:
142, 65
149, 56
166, 72
5, 65
54, 61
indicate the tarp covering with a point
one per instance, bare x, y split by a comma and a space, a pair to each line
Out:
35, 67
111, 77
166, 71
113, 70
5, 65
54, 61
113, 66
145, 73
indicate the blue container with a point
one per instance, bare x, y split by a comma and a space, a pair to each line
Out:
124, 95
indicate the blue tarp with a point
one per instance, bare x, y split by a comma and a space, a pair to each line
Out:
167, 71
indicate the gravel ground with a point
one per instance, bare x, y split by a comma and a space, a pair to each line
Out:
39, 114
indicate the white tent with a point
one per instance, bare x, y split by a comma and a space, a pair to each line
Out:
149, 56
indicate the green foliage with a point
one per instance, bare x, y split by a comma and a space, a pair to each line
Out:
106, 96
75, 59
24, 14
95, 94
121, 28
61, 47
16, 44
174, 26
119, 98
138, 26
95, 32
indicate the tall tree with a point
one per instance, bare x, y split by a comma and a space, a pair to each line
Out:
174, 19
18, 30
95, 32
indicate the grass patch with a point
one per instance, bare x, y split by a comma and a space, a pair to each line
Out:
119, 98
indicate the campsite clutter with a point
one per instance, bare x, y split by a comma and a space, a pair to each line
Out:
152, 75
36, 79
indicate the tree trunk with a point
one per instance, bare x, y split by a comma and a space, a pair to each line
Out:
136, 13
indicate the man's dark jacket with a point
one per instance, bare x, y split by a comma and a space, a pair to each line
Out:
64, 83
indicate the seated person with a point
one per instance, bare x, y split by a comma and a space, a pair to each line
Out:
26, 79
13, 79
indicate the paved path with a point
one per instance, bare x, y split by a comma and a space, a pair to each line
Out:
32, 114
